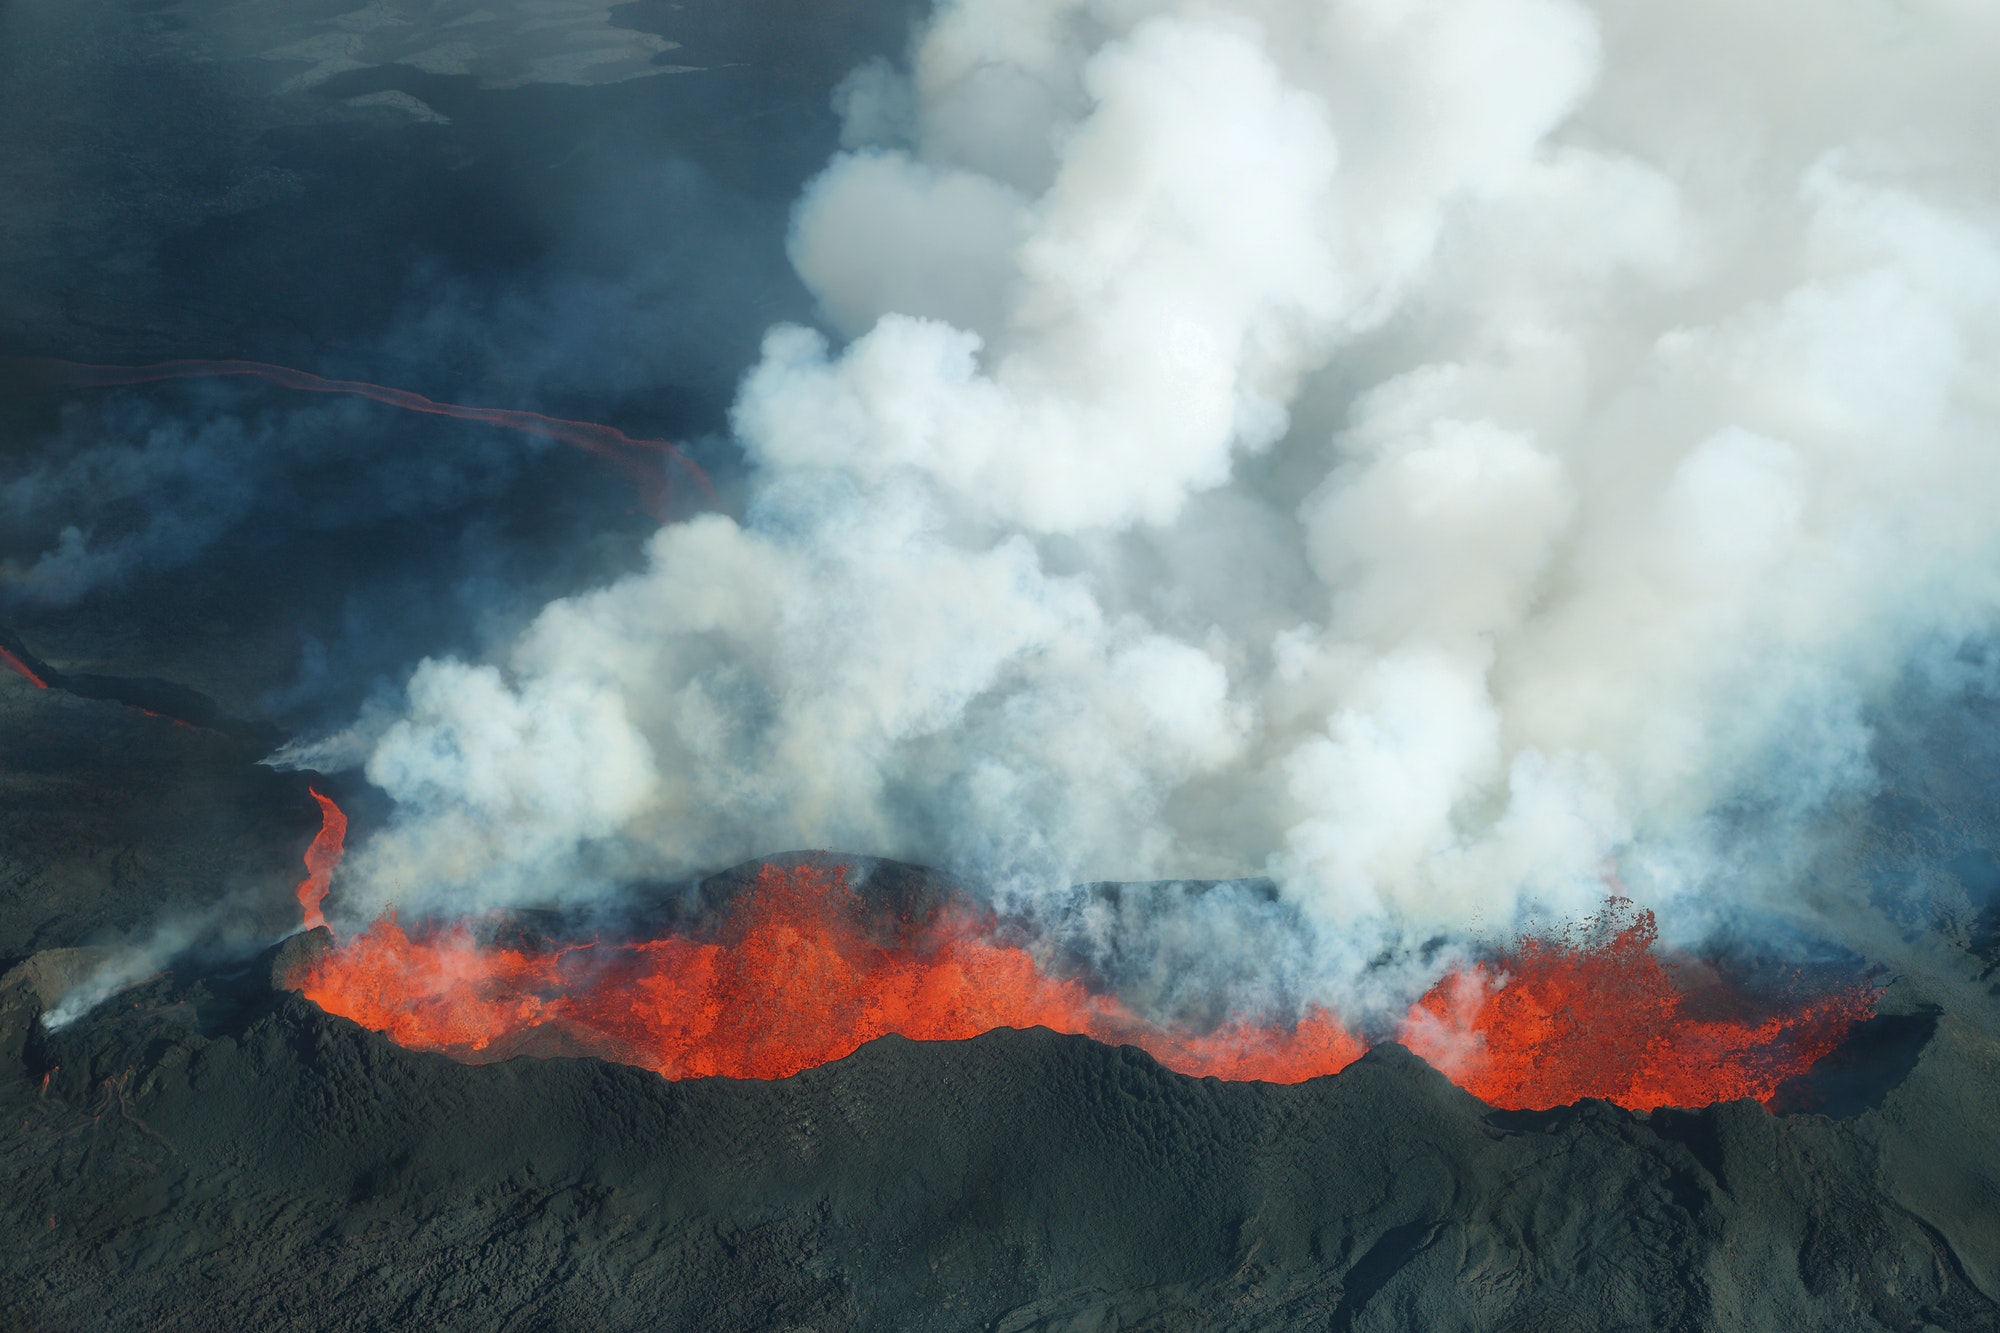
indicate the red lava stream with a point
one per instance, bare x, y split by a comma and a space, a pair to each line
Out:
17, 664
638, 459
800, 973
321, 858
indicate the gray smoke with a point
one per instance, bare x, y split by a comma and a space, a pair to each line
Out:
1450, 456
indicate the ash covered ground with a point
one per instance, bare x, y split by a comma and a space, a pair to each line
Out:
583, 210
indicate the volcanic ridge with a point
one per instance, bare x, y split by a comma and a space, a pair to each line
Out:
211, 1145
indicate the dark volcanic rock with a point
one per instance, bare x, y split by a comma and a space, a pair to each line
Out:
119, 827
208, 1153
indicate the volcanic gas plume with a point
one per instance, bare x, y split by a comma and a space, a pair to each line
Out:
642, 461
800, 972
1392, 450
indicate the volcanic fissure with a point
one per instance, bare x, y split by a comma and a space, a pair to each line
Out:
800, 972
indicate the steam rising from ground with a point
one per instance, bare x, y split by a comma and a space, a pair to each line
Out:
1428, 451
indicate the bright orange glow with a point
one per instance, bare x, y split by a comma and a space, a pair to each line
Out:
1598, 1013
798, 975
17, 664
321, 858
615, 447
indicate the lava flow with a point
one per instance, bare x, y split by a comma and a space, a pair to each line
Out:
635, 457
1597, 1012
321, 858
799, 974
17, 664
795, 977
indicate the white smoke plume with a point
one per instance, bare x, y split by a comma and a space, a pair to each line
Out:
1432, 452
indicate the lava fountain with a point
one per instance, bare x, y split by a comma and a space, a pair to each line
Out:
1595, 1010
321, 859
637, 458
799, 972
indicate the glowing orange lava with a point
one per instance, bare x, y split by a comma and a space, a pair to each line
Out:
321, 858
1598, 1013
632, 456
798, 975
17, 664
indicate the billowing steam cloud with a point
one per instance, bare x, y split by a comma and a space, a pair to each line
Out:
1434, 452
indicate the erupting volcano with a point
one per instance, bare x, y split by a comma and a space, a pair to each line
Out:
1242, 551
639, 459
799, 972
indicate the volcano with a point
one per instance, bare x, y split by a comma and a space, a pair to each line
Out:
796, 975
1379, 616
1020, 1174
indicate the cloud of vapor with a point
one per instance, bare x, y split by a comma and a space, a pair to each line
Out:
1431, 453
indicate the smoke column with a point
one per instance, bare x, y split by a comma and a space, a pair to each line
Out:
636, 458
1449, 457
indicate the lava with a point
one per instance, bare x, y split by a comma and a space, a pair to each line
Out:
321, 858
18, 665
637, 458
1597, 1012
797, 975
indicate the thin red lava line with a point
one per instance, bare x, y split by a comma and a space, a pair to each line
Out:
168, 717
22, 667
606, 442
12, 660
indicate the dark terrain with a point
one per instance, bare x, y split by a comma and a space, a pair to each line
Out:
206, 1150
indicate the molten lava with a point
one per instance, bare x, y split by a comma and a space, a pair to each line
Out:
1596, 1012
798, 974
796, 977
321, 858
634, 457
18, 665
